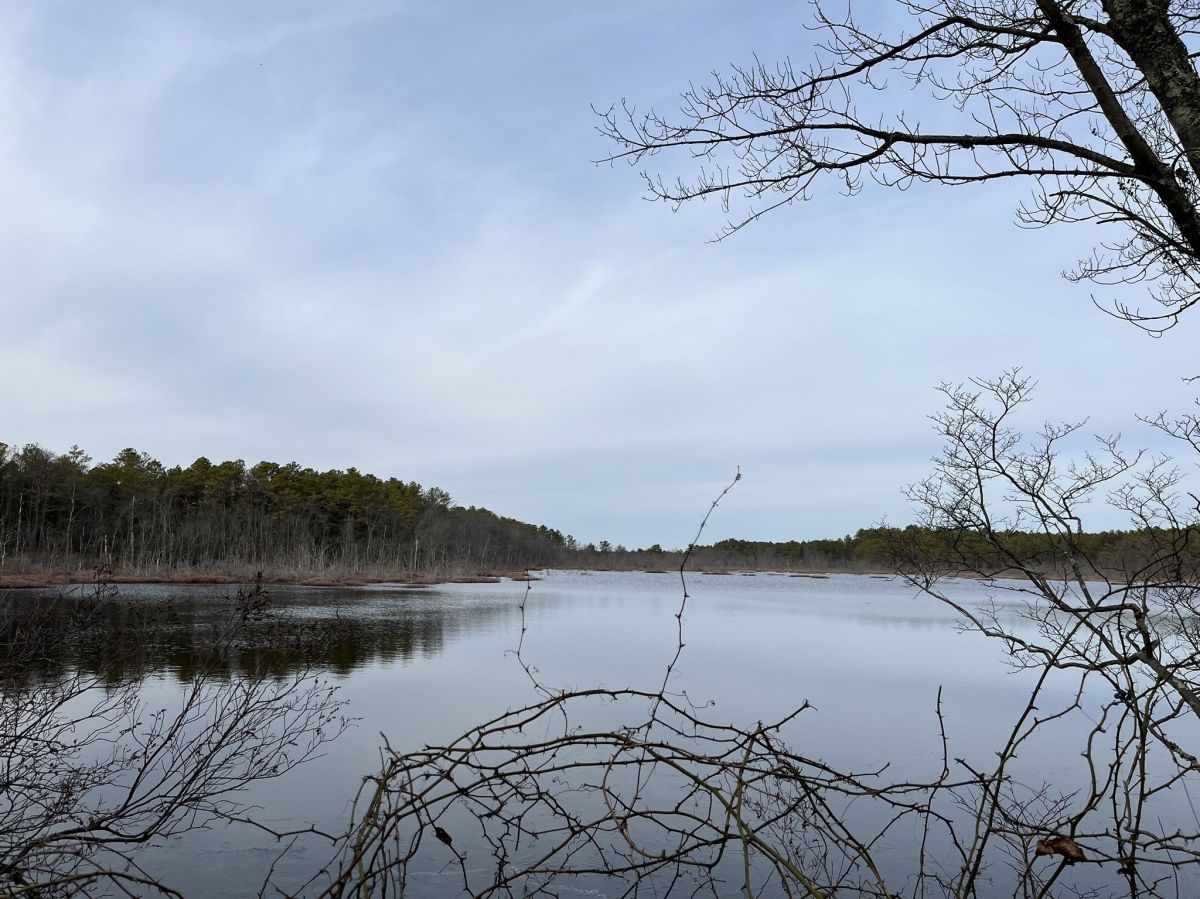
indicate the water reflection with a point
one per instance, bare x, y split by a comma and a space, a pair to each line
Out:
874, 659
186, 631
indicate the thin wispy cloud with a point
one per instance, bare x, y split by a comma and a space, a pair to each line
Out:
372, 235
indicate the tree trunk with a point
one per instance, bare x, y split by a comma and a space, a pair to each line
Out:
1143, 29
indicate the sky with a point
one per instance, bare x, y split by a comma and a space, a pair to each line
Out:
373, 234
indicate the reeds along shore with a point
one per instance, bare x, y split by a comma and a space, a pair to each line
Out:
43, 579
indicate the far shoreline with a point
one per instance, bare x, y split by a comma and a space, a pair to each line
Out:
41, 580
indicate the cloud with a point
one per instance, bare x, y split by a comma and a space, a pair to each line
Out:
369, 235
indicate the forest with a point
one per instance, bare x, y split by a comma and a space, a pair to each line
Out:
61, 512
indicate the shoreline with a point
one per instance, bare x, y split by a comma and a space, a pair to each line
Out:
40, 580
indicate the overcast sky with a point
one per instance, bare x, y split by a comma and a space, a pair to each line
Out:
370, 234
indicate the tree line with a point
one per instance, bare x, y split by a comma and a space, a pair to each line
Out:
975, 550
135, 514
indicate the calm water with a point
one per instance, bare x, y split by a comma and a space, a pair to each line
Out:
424, 665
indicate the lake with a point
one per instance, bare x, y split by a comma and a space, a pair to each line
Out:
421, 665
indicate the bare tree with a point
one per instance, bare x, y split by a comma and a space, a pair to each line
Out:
1118, 616
89, 772
1002, 506
643, 788
1096, 102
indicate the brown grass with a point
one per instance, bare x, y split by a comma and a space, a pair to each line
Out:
418, 580
30, 581
36, 580
39, 580
513, 574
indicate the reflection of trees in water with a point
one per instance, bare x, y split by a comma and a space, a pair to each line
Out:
93, 773
119, 638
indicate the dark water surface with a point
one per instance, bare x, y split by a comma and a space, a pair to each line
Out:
424, 665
